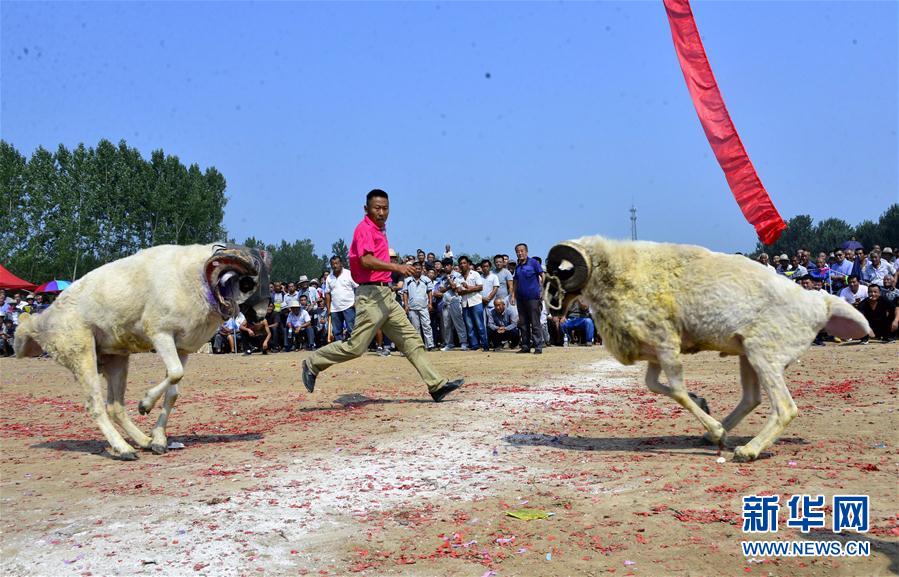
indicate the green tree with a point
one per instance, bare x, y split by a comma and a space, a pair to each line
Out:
340, 249
68, 212
889, 227
830, 234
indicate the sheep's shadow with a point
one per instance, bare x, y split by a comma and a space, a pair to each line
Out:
356, 400
665, 444
98, 446
888, 548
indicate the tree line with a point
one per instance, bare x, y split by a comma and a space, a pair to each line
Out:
67, 212
829, 234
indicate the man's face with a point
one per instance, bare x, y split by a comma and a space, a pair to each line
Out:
794, 261
278, 287
18, 298
807, 284
269, 309
438, 266
499, 263
840, 256
873, 292
763, 258
500, 306
875, 258
421, 256
432, 274
304, 301
432, 258
485, 268
860, 253
521, 252
377, 210
821, 262
39, 299
888, 281
320, 303
416, 273
853, 284
336, 266
804, 258
464, 266
291, 287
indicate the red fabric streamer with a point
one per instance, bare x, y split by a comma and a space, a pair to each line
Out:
719, 129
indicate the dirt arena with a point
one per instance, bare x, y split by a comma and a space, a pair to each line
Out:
369, 476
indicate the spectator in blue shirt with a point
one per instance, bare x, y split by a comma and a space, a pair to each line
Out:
528, 290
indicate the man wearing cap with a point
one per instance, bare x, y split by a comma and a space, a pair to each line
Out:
376, 306
299, 324
887, 255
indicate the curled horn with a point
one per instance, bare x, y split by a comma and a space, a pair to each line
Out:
568, 268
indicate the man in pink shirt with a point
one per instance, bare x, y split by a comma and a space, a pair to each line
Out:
376, 305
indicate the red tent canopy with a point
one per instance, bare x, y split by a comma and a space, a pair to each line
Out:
10, 281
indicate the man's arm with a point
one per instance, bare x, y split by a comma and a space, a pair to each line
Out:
513, 322
371, 262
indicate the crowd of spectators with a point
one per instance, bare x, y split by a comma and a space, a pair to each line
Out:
866, 280
457, 304
454, 303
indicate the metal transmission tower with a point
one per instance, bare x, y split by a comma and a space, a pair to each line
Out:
633, 222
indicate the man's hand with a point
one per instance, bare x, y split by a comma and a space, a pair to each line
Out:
251, 333
405, 269
501, 330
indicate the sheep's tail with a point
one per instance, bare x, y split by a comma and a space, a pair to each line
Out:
25, 343
844, 321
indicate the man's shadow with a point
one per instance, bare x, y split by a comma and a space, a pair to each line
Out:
357, 400
658, 444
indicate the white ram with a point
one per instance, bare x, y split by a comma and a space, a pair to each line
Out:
654, 302
170, 299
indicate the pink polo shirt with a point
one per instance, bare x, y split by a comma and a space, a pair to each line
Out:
368, 239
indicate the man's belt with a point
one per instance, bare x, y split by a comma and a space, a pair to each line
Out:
374, 284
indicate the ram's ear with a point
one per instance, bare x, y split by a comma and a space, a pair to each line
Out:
570, 264
229, 260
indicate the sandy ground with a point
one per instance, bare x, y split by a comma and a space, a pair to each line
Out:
368, 476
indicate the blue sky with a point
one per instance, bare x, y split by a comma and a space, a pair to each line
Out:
488, 123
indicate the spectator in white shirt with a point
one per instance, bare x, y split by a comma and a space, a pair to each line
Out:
340, 298
472, 307
855, 293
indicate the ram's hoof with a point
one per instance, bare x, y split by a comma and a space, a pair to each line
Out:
744, 455
143, 409
159, 449
701, 402
128, 456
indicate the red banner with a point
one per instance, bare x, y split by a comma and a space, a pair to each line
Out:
719, 129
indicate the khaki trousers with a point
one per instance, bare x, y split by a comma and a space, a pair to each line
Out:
376, 308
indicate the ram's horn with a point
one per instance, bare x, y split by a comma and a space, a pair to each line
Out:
569, 262
568, 267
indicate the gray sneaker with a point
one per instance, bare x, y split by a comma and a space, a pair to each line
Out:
445, 389
308, 376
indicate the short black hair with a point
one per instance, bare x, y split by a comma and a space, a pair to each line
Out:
524, 244
448, 261
496, 256
335, 257
464, 256
538, 259
375, 193
485, 261
303, 296
416, 263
